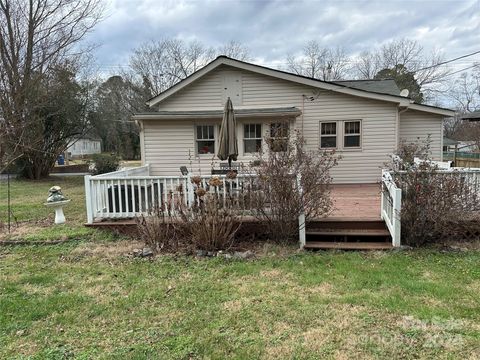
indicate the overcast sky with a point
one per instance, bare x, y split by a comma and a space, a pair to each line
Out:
272, 29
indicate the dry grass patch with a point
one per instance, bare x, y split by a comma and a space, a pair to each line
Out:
109, 250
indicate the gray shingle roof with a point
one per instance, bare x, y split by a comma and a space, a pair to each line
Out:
474, 116
386, 86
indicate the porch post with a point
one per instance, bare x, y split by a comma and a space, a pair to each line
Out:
396, 214
301, 217
88, 199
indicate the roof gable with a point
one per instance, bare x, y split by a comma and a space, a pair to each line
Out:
360, 90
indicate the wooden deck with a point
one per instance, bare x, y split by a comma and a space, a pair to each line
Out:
360, 202
354, 224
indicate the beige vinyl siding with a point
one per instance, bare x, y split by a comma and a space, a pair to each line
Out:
171, 144
206, 93
416, 126
260, 91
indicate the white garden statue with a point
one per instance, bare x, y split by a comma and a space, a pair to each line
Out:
57, 201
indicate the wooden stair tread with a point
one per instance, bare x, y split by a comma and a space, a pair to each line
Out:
349, 232
348, 245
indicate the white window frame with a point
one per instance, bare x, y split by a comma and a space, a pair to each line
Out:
197, 139
329, 135
359, 134
255, 138
340, 127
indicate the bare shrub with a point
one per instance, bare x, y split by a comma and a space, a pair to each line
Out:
209, 223
436, 205
159, 232
291, 180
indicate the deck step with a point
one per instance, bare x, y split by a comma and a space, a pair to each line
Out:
348, 245
345, 224
348, 232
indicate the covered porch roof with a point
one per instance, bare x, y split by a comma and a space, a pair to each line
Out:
218, 114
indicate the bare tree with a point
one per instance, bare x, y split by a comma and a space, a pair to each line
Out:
465, 91
161, 64
236, 50
407, 54
319, 62
36, 38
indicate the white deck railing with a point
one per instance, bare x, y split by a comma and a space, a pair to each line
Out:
391, 205
391, 198
132, 192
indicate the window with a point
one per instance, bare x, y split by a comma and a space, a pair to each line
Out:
328, 135
279, 136
342, 134
205, 139
252, 138
351, 134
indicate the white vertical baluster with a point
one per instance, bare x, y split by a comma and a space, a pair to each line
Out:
152, 196
120, 205
159, 199
114, 205
132, 192
164, 194
147, 208
105, 197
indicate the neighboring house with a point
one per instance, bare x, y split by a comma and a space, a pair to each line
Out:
473, 116
449, 144
84, 146
364, 121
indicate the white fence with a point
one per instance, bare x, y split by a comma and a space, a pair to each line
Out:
391, 205
131, 192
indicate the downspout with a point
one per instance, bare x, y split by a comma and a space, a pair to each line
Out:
397, 126
303, 110
142, 140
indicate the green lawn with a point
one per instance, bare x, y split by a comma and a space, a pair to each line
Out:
31, 220
89, 299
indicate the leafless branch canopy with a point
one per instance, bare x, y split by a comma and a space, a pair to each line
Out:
319, 62
36, 37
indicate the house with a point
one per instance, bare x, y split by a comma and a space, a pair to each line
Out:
473, 116
449, 144
364, 121
84, 146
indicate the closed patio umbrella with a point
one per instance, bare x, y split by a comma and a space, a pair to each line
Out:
228, 148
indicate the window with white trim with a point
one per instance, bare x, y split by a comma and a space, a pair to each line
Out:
328, 135
205, 139
252, 138
352, 134
279, 132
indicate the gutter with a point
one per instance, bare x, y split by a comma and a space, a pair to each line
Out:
154, 116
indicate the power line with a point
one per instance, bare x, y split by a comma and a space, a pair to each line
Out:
458, 71
449, 61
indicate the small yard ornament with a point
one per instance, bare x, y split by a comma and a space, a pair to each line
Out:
57, 201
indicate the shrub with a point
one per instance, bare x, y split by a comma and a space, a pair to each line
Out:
209, 224
104, 163
435, 205
158, 232
276, 196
